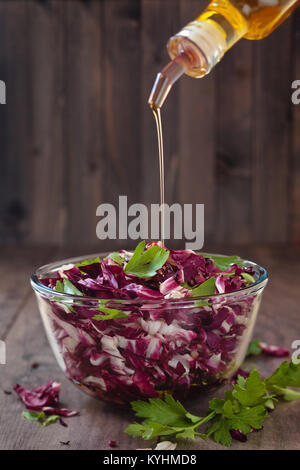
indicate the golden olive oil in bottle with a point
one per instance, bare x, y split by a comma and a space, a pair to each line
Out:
201, 44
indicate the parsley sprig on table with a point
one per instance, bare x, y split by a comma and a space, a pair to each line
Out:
243, 408
40, 417
254, 348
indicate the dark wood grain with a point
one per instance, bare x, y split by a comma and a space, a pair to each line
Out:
122, 92
197, 118
294, 214
271, 135
234, 103
15, 123
16, 289
159, 20
77, 131
99, 422
47, 213
85, 161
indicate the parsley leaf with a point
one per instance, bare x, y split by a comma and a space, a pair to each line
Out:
116, 257
236, 411
221, 432
216, 404
67, 287
195, 291
149, 430
250, 279
248, 418
164, 417
250, 391
224, 262
202, 303
146, 263
33, 415
244, 407
40, 417
286, 394
287, 375
168, 411
59, 286
254, 348
205, 289
110, 314
51, 419
87, 262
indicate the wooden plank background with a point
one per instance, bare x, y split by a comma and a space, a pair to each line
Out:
76, 130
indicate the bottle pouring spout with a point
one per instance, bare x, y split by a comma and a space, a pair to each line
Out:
166, 79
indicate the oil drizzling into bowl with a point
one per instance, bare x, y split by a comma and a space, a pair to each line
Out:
157, 116
161, 88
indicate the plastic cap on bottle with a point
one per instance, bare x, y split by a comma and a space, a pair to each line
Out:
204, 36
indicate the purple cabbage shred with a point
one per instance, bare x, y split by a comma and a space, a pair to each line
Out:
160, 343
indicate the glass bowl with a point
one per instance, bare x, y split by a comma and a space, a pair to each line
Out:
175, 346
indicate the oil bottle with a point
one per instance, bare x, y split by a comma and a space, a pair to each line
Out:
201, 44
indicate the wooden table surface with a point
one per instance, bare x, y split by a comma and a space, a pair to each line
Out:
21, 328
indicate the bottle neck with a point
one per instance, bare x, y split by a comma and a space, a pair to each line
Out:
195, 50
205, 42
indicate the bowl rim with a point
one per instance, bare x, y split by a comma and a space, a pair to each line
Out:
37, 286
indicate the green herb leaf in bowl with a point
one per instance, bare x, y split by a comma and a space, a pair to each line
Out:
146, 263
109, 314
116, 257
205, 289
87, 262
68, 288
250, 279
224, 262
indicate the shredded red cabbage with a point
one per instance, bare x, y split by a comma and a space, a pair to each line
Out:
238, 435
46, 395
243, 373
154, 346
271, 350
112, 443
44, 398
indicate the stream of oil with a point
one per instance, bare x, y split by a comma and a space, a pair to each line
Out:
157, 116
